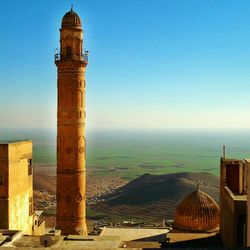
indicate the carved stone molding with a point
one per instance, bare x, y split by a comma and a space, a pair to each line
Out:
78, 197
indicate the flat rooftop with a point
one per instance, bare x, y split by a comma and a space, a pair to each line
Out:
8, 235
71, 242
194, 240
137, 234
5, 142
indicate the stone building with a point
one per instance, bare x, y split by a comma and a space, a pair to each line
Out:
16, 188
233, 202
197, 212
247, 181
71, 64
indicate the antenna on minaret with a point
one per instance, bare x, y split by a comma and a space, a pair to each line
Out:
71, 8
224, 152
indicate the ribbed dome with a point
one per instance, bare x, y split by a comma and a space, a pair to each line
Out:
197, 212
71, 19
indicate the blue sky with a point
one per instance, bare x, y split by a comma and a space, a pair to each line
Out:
153, 64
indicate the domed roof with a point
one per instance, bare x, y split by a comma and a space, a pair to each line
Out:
197, 212
71, 19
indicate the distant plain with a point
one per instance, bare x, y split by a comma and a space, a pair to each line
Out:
130, 154
116, 158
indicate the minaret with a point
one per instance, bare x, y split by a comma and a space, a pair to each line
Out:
71, 64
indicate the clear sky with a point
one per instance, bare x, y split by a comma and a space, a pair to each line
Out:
154, 64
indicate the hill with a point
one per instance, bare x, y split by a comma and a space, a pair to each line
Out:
153, 197
148, 197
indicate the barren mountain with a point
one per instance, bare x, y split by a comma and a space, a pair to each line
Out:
149, 197
154, 197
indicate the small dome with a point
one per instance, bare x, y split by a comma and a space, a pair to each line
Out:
197, 212
71, 19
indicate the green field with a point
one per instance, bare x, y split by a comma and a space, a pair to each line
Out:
129, 154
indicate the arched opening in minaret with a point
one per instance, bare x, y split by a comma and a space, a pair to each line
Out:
77, 46
68, 52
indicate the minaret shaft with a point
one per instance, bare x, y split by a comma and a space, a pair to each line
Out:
71, 153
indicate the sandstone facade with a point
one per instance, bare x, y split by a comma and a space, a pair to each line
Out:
71, 64
16, 186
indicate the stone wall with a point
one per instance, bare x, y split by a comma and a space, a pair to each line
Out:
16, 209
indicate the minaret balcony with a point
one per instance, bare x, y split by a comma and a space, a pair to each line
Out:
83, 57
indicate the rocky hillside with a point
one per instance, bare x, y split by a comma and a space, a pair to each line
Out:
153, 197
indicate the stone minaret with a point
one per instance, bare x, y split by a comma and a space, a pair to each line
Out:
71, 64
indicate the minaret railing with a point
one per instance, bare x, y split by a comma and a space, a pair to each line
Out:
84, 57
